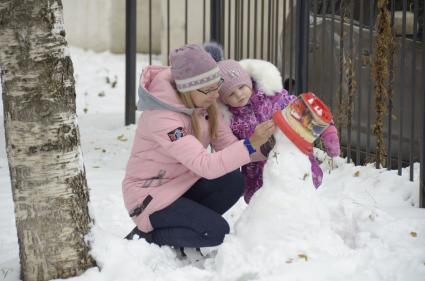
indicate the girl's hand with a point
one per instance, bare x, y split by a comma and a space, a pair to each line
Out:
331, 141
262, 133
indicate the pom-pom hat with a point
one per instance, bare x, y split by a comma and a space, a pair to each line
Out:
234, 76
230, 70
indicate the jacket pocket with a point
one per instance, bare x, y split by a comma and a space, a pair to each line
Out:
141, 207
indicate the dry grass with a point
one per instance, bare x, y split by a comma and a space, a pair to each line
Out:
384, 51
347, 67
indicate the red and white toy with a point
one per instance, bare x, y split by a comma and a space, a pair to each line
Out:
303, 120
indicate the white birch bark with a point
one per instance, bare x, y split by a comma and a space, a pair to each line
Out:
42, 141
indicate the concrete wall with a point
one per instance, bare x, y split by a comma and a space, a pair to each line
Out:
99, 25
195, 24
117, 29
249, 24
87, 23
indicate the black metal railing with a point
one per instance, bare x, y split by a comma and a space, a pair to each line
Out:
130, 62
327, 47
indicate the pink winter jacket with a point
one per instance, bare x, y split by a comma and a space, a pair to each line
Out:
162, 168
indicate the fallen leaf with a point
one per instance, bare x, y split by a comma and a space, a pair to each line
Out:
413, 234
302, 256
121, 138
356, 174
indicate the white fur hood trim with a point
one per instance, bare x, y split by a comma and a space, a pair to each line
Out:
265, 74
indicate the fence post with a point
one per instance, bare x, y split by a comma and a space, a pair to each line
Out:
422, 163
130, 62
215, 22
301, 46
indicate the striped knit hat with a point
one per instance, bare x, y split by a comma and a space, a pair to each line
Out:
193, 68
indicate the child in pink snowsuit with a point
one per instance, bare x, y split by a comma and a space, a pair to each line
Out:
252, 91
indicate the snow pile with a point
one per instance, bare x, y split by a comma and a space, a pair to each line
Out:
359, 225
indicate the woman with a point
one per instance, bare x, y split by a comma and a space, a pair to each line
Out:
174, 189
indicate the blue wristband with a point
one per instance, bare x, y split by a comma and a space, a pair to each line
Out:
249, 146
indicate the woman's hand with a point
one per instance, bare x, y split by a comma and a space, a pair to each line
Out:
262, 133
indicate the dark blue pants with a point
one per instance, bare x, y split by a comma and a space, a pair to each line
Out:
194, 220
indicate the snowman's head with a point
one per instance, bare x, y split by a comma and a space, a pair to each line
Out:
304, 120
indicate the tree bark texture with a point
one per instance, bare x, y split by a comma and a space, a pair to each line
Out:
42, 141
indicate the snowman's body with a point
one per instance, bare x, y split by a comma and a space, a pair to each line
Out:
286, 179
287, 162
267, 227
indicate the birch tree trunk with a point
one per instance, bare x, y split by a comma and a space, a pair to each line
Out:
42, 141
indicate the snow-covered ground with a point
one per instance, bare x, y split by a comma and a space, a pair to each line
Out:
361, 224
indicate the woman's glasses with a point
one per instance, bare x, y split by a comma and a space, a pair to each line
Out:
206, 92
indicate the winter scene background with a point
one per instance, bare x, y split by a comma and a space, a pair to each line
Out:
361, 224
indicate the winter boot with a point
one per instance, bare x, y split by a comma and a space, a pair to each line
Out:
137, 234
192, 255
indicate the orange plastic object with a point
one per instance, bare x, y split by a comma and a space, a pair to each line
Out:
303, 145
317, 107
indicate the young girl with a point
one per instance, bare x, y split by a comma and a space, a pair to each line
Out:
252, 91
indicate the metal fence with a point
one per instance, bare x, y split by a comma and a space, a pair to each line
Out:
327, 47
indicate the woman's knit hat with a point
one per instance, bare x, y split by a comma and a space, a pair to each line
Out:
193, 68
230, 70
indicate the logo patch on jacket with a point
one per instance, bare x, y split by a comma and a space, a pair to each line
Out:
177, 134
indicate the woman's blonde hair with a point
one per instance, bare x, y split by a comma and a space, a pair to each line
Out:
212, 116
